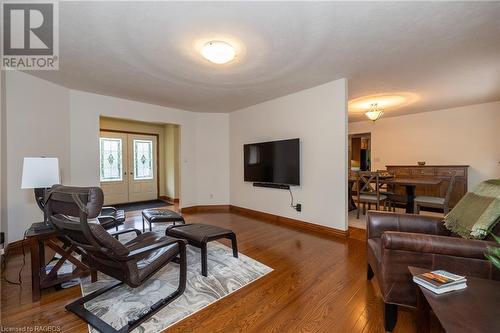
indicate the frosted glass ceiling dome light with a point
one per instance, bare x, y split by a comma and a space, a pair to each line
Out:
218, 52
385, 101
375, 113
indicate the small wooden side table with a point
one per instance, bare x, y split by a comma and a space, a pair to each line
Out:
40, 279
473, 309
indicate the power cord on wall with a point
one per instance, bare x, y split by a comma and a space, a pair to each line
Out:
297, 207
19, 274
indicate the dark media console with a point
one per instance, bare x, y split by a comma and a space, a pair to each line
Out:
272, 185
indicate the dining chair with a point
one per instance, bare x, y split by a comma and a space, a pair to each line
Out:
388, 190
435, 202
369, 191
352, 190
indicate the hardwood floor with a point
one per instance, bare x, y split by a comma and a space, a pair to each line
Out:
318, 285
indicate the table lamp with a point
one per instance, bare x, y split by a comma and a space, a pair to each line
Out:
40, 173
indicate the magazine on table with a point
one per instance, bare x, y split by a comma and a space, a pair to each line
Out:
440, 281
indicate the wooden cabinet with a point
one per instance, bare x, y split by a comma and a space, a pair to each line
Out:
442, 172
423, 172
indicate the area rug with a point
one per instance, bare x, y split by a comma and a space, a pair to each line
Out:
226, 275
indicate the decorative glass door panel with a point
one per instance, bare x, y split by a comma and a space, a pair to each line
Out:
143, 159
142, 180
111, 162
113, 167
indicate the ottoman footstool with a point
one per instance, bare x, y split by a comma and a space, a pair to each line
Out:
160, 215
199, 235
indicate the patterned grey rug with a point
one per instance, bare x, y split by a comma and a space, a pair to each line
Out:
226, 275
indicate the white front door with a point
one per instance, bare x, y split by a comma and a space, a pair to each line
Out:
127, 164
142, 168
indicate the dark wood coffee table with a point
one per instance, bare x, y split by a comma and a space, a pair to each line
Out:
473, 309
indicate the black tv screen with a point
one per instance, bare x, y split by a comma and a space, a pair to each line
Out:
276, 162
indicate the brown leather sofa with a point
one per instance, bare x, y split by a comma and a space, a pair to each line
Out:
396, 241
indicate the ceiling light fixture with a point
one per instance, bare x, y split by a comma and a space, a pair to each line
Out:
375, 113
218, 52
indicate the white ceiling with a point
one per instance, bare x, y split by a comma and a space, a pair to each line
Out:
448, 53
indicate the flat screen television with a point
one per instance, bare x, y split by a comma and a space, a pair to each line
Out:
275, 162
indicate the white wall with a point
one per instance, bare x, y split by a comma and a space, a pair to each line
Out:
318, 116
468, 135
172, 160
37, 119
212, 144
85, 111
203, 129
3, 160
47, 119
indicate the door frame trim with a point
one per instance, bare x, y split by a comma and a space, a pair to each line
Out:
157, 152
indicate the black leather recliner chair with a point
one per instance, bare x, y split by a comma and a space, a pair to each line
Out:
110, 217
69, 210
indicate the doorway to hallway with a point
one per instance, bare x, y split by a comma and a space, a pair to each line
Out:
138, 161
360, 152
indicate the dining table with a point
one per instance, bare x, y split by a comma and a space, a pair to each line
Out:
410, 184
